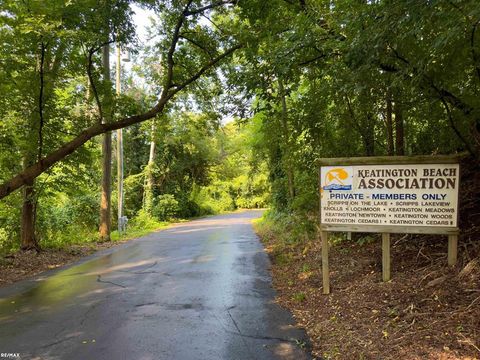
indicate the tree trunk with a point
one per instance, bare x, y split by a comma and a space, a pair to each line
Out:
369, 135
105, 201
476, 135
32, 154
27, 231
286, 157
399, 129
149, 183
472, 149
106, 197
29, 206
389, 125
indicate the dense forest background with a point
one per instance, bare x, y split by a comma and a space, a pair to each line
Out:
300, 80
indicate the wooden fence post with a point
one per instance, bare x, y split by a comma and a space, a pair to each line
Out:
452, 249
386, 257
325, 270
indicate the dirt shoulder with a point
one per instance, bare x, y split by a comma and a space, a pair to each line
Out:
427, 310
26, 264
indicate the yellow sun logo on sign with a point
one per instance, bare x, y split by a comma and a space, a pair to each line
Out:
337, 179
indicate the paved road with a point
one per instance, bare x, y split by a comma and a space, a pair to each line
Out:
199, 290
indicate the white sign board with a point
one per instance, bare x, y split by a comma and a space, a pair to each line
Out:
390, 195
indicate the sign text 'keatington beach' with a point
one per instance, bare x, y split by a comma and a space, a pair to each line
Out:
423, 195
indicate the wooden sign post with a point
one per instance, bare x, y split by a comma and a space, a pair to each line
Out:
394, 194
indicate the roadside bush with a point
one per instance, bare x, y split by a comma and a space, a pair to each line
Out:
165, 207
5, 242
9, 225
142, 221
289, 227
214, 199
63, 219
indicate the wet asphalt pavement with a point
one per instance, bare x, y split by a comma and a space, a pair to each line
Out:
199, 290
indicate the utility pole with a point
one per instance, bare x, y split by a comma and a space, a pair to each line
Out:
119, 151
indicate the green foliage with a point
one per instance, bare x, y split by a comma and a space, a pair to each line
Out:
367, 239
286, 228
215, 198
306, 268
9, 224
299, 296
133, 192
206, 168
144, 221
5, 242
165, 207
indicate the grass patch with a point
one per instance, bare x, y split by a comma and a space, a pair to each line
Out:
135, 232
299, 296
